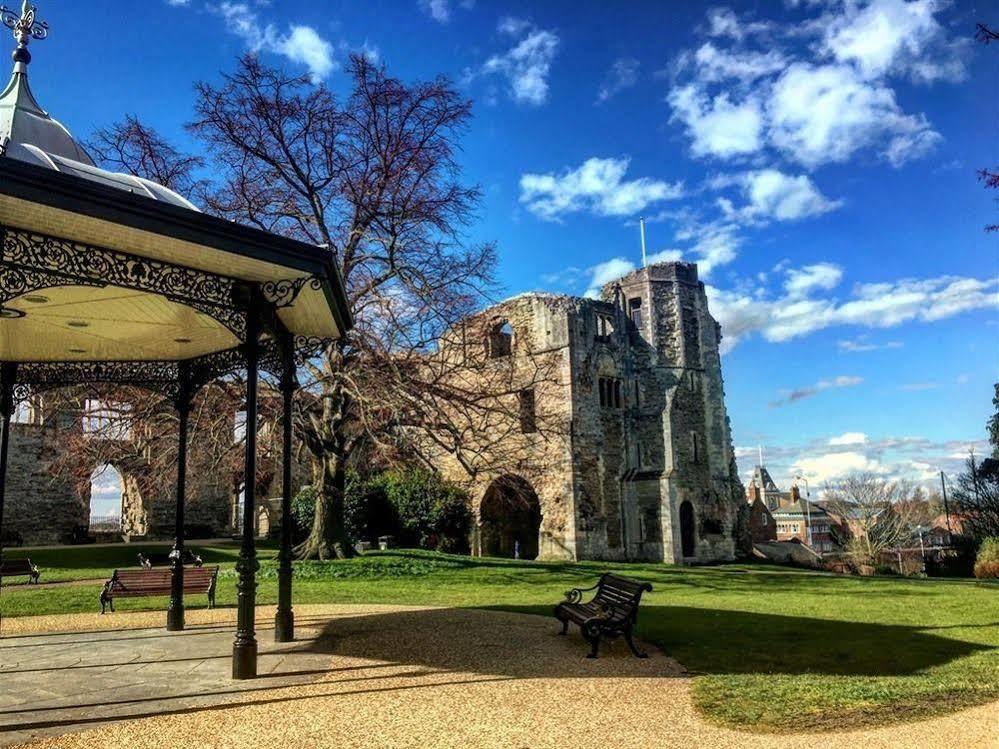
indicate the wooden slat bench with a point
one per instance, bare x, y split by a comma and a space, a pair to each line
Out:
153, 559
156, 582
612, 612
19, 568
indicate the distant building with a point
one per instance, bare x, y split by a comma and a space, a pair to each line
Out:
768, 492
762, 527
797, 517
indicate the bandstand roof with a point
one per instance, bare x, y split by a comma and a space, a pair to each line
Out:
104, 267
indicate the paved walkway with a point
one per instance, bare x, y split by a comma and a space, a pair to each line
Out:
373, 676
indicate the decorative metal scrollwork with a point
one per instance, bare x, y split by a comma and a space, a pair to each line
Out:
24, 24
309, 347
284, 292
161, 377
31, 261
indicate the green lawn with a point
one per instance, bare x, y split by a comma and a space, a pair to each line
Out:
771, 648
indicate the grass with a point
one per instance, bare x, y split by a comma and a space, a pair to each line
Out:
771, 649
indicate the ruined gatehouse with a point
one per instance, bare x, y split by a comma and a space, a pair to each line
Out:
622, 450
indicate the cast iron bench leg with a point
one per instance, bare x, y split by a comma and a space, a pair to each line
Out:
631, 644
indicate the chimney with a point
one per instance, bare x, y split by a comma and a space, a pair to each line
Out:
753, 492
795, 494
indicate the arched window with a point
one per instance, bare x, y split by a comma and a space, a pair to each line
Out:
499, 342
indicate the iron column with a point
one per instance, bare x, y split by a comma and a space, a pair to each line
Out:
284, 619
8, 374
244, 648
175, 613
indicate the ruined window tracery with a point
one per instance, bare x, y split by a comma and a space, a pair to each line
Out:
605, 328
610, 392
499, 342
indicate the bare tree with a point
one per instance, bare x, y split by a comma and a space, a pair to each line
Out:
977, 497
374, 178
132, 147
876, 513
990, 177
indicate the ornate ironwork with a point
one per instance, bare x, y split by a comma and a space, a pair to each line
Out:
24, 25
283, 293
309, 347
31, 261
158, 376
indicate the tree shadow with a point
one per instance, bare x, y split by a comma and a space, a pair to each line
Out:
703, 640
428, 649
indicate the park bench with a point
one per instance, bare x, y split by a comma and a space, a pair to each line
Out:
19, 568
612, 612
164, 559
156, 582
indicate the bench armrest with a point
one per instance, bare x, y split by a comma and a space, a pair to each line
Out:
576, 594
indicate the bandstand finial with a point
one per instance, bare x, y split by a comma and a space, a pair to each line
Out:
25, 28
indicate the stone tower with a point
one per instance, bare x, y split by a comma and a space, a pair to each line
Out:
635, 459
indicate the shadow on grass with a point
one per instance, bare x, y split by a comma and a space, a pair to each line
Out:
713, 641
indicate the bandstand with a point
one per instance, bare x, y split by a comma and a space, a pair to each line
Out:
110, 278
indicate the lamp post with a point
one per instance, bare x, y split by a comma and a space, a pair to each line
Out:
808, 510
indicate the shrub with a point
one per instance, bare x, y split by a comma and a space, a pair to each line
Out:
987, 562
303, 510
432, 513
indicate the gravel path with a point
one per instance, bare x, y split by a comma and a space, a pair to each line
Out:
433, 678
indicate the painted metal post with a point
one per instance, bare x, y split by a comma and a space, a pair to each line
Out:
244, 648
175, 613
284, 619
8, 376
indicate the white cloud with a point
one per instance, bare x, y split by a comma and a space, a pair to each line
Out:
722, 22
849, 438
439, 10
893, 36
771, 194
597, 185
836, 465
881, 305
817, 102
792, 396
178, 3
825, 113
623, 74
802, 281
604, 273
718, 126
821, 462
862, 344
713, 64
527, 64
665, 256
302, 44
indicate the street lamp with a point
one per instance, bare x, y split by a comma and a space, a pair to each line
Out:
808, 510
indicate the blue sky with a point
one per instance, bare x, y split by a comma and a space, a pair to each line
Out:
816, 157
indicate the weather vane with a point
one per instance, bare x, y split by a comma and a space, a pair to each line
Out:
25, 28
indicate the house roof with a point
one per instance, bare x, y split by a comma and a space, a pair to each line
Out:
800, 508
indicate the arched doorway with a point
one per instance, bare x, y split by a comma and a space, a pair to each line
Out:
510, 519
687, 529
106, 492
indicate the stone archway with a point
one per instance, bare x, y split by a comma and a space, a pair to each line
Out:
133, 514
510, 519
688, 529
